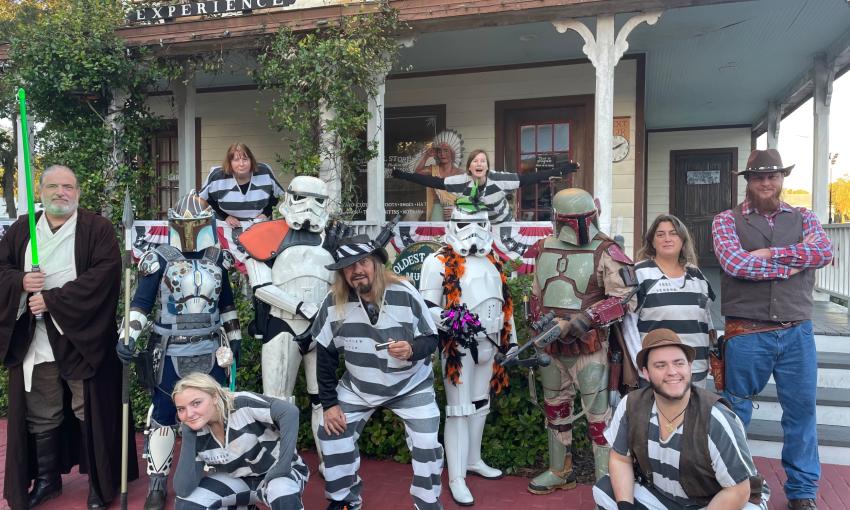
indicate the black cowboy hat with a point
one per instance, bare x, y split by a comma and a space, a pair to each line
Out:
353, 249
766, 161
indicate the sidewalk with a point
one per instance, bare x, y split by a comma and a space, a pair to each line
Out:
386, 486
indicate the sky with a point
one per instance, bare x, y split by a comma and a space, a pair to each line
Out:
796, 138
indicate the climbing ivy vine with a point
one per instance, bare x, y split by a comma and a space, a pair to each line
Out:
333, 69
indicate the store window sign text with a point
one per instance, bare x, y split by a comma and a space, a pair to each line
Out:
203, 8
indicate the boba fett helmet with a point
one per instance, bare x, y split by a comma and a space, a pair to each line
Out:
575, 216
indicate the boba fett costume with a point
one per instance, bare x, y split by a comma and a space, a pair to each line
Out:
195, 318
577, 267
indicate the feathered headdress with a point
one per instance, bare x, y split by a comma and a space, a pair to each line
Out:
448, 138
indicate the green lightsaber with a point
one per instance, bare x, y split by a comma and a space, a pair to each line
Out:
25, 139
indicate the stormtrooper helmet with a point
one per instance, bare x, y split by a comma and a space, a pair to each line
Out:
306, 204
191, 224
468, 233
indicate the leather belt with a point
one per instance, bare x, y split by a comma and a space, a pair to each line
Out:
736, 326
188, 339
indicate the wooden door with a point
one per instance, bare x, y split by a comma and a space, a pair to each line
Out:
701, 185
559, 126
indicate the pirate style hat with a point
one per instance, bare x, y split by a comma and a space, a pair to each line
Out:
352, 249
766, 161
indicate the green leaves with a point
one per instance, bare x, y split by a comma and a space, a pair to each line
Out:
79, 76
334, 69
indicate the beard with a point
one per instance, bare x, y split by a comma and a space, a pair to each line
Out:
764, 205
673, 398
364, 288
61, 209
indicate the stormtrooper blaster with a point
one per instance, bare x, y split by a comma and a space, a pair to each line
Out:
550, 331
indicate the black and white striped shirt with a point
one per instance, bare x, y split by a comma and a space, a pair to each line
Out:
225, 196
373, 374
492, 194
679, 304
731, 460
259, 431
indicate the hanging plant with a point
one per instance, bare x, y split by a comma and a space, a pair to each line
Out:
333, 69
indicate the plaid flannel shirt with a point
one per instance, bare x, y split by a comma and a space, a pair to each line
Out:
739, 263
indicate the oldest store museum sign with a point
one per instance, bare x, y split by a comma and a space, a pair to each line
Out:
213, 7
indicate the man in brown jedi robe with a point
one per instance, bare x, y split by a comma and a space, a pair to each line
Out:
64, 376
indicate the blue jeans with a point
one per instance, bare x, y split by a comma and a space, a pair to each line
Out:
790, 356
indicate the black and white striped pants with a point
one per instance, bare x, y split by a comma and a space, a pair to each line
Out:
225, 491
421, 423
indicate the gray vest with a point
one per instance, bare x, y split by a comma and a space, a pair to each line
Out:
768, 300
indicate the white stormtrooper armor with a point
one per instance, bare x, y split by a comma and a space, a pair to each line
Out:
294, 285
468, 402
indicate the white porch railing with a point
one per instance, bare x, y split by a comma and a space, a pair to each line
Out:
834, 279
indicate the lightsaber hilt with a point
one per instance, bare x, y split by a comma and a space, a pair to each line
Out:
38, 316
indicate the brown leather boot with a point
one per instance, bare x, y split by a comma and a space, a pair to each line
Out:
48, 481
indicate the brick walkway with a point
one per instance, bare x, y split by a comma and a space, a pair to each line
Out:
386, 488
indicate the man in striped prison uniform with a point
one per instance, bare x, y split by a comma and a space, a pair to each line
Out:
381, 324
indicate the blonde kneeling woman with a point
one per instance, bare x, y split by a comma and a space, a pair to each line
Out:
238, 449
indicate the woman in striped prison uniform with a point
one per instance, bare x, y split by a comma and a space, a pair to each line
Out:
241, 190
382, 325
244, 442
673, 293
486, 189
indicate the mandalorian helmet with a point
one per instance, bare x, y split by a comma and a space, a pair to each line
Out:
306, 204
575, 216
191, 225
468, 233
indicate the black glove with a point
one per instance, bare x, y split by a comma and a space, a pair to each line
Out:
236, 347
579, 325
625, 505
334, 233
304, 340
126, 353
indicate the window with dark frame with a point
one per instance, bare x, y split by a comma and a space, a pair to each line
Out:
166, 171
535, 201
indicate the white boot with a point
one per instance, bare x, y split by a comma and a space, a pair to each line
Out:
474, 464
315, 416
456, 437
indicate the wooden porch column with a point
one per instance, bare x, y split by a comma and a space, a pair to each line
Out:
184, 97
823, 77
375, 210
774, 118
329, 169
604, 51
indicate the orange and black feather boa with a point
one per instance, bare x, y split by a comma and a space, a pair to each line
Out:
454, 269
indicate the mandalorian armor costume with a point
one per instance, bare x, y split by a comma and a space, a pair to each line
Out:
577, 267
195, 318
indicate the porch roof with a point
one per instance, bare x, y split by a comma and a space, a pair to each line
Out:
705, 65
708, 63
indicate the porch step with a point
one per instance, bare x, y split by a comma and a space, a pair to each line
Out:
832, 343
765, 439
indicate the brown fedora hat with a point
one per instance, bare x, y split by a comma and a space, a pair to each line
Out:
662, 338
766, 161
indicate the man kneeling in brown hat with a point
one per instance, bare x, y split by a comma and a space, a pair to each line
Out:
690, 448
